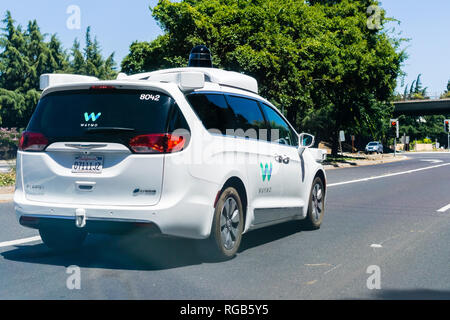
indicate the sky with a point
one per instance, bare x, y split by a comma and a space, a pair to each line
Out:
117, 24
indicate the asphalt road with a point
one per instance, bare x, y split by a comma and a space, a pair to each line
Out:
391, 222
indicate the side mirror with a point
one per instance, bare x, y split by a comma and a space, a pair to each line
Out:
305, 141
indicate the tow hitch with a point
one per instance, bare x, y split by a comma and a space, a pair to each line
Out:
80, 218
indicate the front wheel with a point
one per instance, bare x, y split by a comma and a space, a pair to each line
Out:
316, 206
228, 225
62, 240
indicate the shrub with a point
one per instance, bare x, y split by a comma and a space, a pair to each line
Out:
8, 179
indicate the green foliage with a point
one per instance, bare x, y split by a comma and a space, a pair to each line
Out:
446, 94
25, 55
420, 128
425, 141
316, 60
8, 179
415, 92
90, 62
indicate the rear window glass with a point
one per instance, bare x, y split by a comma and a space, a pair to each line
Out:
81, 115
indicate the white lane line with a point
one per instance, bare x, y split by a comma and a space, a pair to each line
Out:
387, 175
432, 160
443, 209
20, 241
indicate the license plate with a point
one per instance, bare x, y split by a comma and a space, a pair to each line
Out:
87, 164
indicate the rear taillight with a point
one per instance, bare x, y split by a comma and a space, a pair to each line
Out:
32, 141
102, 87
157, 143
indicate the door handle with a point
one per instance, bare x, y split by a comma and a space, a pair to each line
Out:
278, 158
286, 160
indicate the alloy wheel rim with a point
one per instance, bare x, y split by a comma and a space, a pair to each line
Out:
229, 223
317, 200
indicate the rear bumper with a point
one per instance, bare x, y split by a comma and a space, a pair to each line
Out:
93, 226
189, 217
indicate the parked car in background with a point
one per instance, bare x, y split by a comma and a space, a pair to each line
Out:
374, 146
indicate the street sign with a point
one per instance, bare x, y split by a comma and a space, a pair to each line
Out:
407, 140
341, 136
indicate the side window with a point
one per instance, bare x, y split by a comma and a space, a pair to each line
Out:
249, 121
176, 120
280, 131
213, 111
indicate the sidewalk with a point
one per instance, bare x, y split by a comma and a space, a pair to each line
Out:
356, 160
6, 165
6, 193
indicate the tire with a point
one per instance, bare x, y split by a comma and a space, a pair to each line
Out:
316, 206
63, 240
227, 227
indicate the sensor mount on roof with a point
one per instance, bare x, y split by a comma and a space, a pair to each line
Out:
200, 57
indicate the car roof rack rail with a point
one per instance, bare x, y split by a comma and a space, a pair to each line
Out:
52, 79
213, 75
189, 78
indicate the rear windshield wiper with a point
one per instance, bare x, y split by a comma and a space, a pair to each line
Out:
108, 130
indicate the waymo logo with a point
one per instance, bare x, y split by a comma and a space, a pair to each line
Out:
92, 116
266, 171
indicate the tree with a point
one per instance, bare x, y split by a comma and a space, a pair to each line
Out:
317, 60
90, 61
415, 92
25, 55
427, 126
446, 94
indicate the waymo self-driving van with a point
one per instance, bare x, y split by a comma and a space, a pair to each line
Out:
189, 152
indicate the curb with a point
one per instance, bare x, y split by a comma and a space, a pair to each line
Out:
361, 163
7, 197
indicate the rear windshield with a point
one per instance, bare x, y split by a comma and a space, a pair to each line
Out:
373, 144
105, 115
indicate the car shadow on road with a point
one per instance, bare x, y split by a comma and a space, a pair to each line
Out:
126, 252
139, 252
262, 236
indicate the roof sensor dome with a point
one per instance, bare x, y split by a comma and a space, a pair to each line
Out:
200, 57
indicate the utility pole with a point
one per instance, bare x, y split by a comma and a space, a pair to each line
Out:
447, 129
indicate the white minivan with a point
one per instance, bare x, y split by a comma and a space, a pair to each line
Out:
187, 152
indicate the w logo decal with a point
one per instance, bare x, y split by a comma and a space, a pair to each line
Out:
92, 116
266, 171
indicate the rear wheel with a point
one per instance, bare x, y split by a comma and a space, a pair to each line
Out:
316, 206
63, 239
228, 224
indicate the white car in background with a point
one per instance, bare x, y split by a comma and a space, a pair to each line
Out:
374, 146
168, 151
